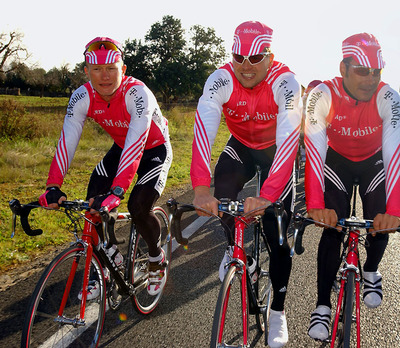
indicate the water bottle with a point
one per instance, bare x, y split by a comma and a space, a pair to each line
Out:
114, 253
251, 269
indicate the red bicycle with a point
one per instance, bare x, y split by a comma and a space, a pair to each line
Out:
350, 278
59, 313
241, 293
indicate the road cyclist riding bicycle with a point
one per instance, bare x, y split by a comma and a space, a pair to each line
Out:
350, 277
128, 111
352, 131
61, 312
260, 101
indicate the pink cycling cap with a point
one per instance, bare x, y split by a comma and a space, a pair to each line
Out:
103, 50
251, 38
365, 49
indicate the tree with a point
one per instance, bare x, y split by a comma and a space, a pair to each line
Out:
166, 45
58, 81
136, 58
207, 53
173, 68
36, 81
12, 51
166, 40
78, 76
17, 76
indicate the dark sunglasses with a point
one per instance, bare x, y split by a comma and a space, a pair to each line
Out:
365, 71
258, 58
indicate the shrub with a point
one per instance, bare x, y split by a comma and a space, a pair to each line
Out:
15, 122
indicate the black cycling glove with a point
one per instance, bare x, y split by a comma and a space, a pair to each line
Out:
52, 195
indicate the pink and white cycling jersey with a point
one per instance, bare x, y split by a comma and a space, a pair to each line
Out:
356, 130
132, 118
266, 115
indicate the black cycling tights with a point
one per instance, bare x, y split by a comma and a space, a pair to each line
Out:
140, 204
329, 260
340, 173
236, 166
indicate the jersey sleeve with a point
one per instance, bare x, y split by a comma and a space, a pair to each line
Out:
317, 108
140, 104
70, 135
208, 118
388, 102
287, 96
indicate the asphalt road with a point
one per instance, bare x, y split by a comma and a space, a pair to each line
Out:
184, 316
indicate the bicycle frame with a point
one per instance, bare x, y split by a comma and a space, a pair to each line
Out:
239, 261
351, 265
89, 240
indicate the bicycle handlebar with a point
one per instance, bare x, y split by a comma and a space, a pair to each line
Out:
226, 205
301, 222
23, 211
175, 219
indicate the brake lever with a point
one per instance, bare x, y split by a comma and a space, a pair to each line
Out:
278, 209
14, 224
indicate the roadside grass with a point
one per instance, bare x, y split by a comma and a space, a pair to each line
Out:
25, 161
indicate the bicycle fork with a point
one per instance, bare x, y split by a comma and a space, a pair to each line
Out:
351, 265
239, 262
89, 232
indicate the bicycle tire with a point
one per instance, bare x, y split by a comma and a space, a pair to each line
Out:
41, 328
142, 301
229, 306
263, 285
348, 309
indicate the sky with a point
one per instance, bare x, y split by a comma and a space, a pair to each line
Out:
307, 35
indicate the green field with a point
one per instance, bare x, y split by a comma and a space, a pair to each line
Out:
29, 131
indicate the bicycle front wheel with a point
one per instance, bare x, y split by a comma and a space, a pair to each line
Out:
263, 285
52, 318
348, 309
142, 301
228, 328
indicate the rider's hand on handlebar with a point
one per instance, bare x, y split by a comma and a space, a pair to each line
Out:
385, 221
204, 200
326, 216
251, 204
108, 200
52, 198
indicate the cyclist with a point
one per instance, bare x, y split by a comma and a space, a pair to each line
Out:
352, 132
128, 111
260, 99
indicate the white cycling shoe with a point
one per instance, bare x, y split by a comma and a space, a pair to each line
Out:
320, 323
277, 331
93, 291
372, 292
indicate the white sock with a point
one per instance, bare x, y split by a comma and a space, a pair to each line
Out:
278, 332
157, 258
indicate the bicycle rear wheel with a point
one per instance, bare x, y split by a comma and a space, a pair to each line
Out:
46, 325
142, 301
227, 328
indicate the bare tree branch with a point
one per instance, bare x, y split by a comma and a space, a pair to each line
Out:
12, 51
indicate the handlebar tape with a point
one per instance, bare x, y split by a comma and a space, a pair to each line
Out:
112, 217
176, 219
301, 225
23, 211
